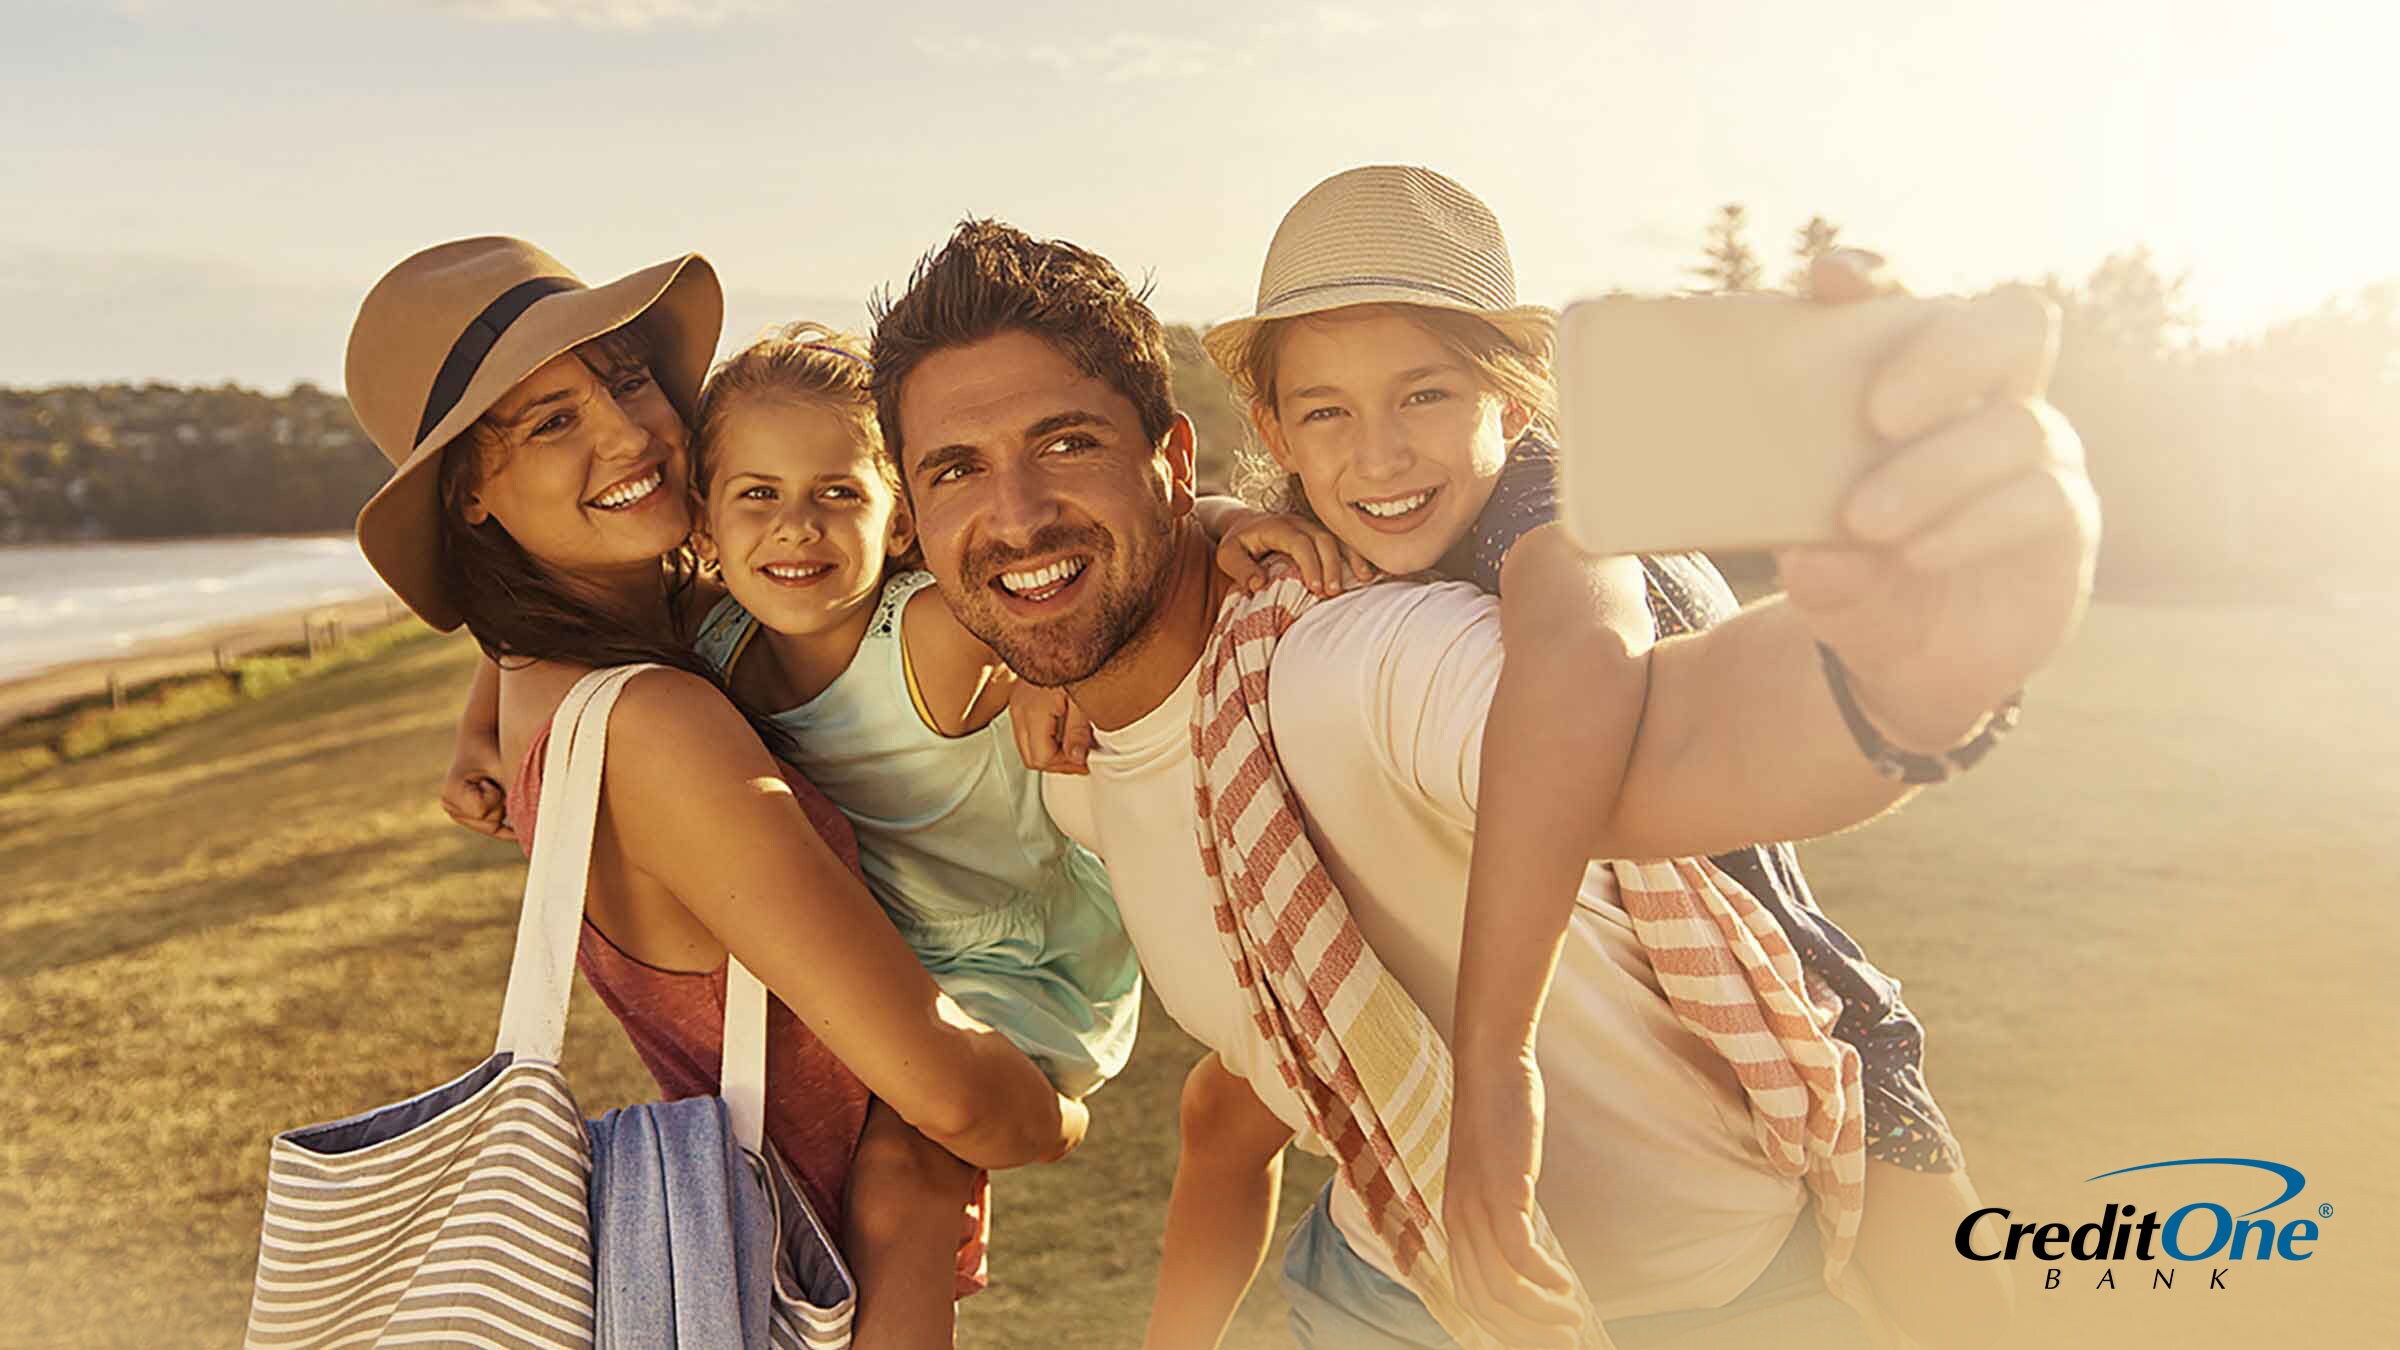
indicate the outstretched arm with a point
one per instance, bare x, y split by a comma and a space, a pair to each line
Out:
683, 767
1972, 561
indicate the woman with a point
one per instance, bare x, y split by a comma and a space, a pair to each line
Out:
537, 429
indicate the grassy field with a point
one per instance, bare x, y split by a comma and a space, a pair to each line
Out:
2156, 925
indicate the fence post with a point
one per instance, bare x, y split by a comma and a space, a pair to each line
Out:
116, 690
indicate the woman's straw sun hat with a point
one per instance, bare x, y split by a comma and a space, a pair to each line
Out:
1387, 234
449, 331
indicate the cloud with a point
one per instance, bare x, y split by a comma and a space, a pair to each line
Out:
1111, 58
1137, 55
617, 15
1345, 21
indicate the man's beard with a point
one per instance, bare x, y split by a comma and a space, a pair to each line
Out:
1071, 648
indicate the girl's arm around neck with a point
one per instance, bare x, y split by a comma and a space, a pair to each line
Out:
696, 804
964, 682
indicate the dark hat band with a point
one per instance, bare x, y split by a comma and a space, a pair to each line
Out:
474, 344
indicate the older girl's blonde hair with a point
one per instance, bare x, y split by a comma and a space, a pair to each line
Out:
1514, 368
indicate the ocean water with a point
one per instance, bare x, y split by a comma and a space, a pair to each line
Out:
72, 602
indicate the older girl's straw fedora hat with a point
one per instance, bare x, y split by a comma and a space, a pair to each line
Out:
1387, 234
451, 330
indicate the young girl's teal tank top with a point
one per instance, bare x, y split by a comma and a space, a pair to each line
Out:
1014, 920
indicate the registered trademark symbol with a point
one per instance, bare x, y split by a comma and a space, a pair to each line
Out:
2324, 1211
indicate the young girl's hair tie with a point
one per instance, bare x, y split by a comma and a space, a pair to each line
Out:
863, 363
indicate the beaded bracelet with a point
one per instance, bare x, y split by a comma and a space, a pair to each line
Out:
1907, 766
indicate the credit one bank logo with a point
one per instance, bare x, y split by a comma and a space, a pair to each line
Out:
2202, 1231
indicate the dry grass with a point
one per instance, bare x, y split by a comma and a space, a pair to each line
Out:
2153, 926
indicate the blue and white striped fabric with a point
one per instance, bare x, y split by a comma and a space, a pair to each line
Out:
487, 1213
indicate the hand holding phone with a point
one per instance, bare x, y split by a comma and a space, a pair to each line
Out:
1936, 525
1718, 422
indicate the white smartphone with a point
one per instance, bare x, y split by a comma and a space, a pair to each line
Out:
1717, 422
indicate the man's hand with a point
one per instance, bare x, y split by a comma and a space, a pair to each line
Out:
1504, 1279
1976, 536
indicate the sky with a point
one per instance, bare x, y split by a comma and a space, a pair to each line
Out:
199, 192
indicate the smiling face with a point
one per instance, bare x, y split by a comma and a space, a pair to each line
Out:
583, 463
1394, 436
1045, 512
799, 520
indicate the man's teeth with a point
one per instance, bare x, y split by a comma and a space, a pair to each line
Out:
1042, 578
796, 571
626, 494
1400, 506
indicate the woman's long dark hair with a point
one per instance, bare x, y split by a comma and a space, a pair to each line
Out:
522, 612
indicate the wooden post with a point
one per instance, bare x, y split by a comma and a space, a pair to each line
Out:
116, 690
308, 632
219, 652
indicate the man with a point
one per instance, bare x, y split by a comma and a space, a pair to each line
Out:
1023, 389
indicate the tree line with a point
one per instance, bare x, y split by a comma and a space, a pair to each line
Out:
147, 461
2267, 466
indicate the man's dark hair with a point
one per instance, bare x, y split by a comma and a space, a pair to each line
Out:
991, 279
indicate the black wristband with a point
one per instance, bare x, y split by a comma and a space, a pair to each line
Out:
1907, 766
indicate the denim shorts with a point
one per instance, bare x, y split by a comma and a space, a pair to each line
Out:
1340, 1302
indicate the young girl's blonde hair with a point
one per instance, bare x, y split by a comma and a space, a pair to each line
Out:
1500, 363
804, 363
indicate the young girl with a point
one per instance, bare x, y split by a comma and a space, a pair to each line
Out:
1412, 422
893, 709
902, 718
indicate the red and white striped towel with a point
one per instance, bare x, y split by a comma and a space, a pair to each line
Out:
1733, 980
1370, 1070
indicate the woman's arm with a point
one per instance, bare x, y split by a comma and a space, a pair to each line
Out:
1221, 1215
1577, 630
695, 803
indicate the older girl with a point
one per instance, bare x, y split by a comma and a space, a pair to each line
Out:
1404, 399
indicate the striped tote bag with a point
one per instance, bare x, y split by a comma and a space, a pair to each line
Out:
472, 1214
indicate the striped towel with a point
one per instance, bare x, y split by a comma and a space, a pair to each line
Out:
1733, 980
1372, 1073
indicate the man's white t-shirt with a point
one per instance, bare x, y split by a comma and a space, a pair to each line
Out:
1651, 1173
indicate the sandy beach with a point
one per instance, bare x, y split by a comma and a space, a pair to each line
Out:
185, 653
